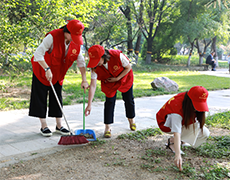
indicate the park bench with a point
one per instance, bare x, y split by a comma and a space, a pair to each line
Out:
205, 66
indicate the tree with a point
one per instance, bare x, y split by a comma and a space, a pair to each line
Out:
155, 12
198, 23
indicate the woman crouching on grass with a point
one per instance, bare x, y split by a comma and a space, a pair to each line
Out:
184, 116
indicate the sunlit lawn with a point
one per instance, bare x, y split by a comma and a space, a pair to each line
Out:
142, 86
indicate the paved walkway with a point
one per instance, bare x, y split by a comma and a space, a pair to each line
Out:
20, 138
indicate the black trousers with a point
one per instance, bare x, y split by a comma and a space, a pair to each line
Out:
213, 65
110, 104
38, 100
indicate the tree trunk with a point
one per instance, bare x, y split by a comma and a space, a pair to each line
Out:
200, 59
139, 20
149, 50
190, 53
214, 49
189, 58
127, 14
137, 47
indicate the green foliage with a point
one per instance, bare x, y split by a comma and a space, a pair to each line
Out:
219, 120
217, 147
97, 143
178, 60
140, 135
211, 172
163, 43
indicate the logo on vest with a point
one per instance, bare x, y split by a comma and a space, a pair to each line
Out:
116, 68
169, 101
74, 51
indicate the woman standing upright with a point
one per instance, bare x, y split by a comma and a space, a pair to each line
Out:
114, 71
51, 60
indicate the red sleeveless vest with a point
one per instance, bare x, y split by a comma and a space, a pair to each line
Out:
173, 105
114, 69
56, 60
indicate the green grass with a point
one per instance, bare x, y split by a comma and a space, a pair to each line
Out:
141, 135
219, 120
215, 147
142, 87
143, 75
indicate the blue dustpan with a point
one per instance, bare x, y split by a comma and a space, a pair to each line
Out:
85, 131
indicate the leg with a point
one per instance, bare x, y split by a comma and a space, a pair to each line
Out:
60, 129
129, 107
202, 137
38, 104
58, 122
43, 122
109, 113
38, 99
194, 137
54, 109
213, 66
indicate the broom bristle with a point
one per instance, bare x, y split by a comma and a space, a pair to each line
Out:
72, 139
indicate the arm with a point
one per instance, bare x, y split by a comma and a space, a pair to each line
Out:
39, 54
127, 67
123, 73
178, 159
174, 122
92, 90
81, 66
84, 83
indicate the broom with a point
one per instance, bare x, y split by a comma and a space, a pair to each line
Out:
68, 139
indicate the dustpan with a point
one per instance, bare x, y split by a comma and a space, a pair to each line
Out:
88, 133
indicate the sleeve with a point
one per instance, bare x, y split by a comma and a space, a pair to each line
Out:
80, 60
174, 122
93, 74
46, 44
124, 60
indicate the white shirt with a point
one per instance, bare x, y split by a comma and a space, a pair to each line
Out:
124, 62
174, 122
47, 44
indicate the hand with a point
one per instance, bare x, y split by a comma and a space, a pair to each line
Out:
112, 79
178, 162
49, 75
87, 110
84, 85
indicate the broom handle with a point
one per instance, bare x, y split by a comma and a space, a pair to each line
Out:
83, 110
60, 106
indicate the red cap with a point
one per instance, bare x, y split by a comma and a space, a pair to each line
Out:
199, 95
76, 28
95, 53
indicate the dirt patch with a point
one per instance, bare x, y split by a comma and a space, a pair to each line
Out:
116, 159
16, 92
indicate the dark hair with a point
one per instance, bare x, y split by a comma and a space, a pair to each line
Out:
65, 29
106, 57
189, 112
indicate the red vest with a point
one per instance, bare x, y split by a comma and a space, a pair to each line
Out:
114, 69
56, 60
173, 105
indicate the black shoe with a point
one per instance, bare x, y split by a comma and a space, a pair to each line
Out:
213, 69
62, 131
46, 132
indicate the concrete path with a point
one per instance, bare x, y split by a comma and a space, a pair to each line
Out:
20, 138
